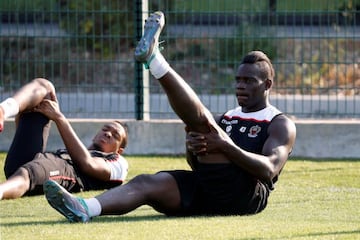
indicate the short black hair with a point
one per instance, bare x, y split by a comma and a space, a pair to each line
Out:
259, 57
124, 139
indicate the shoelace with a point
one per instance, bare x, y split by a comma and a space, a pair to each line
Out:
159, 48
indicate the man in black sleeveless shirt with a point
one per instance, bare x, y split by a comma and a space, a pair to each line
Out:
235, 158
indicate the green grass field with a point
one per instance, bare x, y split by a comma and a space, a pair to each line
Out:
314, 199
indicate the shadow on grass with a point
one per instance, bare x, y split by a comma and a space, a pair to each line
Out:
106, 219
308, 159
313, 170
334, 233
101, 219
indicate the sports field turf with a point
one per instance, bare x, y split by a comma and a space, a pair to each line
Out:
314, 199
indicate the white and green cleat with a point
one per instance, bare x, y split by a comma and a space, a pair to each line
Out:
149, 42
73, 208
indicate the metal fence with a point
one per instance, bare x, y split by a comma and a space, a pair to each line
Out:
86, 48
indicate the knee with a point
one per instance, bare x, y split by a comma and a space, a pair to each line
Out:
44, 83
144, 183
153, 185
141, 180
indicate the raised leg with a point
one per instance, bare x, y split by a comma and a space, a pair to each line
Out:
182, 97
26, 98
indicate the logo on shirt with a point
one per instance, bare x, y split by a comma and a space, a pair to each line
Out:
54, 173
254, 130
242, 129
228, 130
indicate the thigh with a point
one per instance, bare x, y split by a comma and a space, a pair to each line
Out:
30, 138
227, 189
189, 192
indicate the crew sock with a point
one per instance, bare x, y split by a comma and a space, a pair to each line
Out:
158, 65
94, 207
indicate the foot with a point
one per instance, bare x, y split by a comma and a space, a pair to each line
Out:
73, 208
149, 42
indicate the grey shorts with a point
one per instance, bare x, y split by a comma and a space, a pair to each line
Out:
46, 166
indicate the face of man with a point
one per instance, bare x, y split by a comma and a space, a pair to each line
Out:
251, 87
109, 138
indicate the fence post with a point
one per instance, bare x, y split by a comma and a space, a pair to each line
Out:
142, 96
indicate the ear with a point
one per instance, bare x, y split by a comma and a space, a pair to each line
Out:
268, 84
120, 151
187, 129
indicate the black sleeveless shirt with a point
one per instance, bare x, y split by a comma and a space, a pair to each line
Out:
249, 131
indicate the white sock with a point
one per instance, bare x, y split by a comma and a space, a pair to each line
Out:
94, 207
10, 107
158, 65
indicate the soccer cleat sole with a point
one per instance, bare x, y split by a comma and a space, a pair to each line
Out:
152, 29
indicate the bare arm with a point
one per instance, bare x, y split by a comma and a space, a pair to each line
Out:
275, 152
93, 166
265, 166
191, 158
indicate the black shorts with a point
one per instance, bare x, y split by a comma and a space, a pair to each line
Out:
46, 166
219, 189
30, 138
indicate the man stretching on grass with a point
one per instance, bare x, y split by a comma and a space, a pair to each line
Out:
76, 168
235, 159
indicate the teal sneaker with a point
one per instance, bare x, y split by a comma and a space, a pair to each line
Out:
149, 42
73, 208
